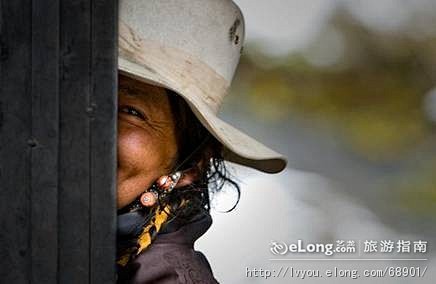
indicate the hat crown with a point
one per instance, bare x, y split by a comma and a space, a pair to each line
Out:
192, 47
212, 31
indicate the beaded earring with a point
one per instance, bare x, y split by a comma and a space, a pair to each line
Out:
163, 185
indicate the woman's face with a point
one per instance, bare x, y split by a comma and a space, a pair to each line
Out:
147, 145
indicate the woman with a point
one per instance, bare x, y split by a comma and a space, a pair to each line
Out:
176, 62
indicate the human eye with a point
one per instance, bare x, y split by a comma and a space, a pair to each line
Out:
131, 111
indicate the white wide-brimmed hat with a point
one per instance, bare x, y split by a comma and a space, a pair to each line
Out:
192, 47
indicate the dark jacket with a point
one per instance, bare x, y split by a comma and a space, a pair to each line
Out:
171, 258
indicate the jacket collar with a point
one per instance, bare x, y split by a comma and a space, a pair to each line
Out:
185, 233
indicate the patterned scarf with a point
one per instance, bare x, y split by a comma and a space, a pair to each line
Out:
136, 231
138, 227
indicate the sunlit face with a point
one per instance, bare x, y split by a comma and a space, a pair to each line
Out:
146, 138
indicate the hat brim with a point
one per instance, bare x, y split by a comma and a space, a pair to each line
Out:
239, 147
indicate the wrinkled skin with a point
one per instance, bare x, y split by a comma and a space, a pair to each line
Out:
147, 147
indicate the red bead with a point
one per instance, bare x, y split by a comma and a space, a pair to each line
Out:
148, 199
164, 182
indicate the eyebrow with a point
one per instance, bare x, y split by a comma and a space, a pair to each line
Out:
130, 90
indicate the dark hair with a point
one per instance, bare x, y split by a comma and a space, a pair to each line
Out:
199, 149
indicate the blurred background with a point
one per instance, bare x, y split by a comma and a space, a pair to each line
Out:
346, 89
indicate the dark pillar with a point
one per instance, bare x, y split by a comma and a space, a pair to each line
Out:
58, 71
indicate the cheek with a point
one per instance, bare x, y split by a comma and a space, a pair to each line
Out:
134, 151
136, 164
143, 157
